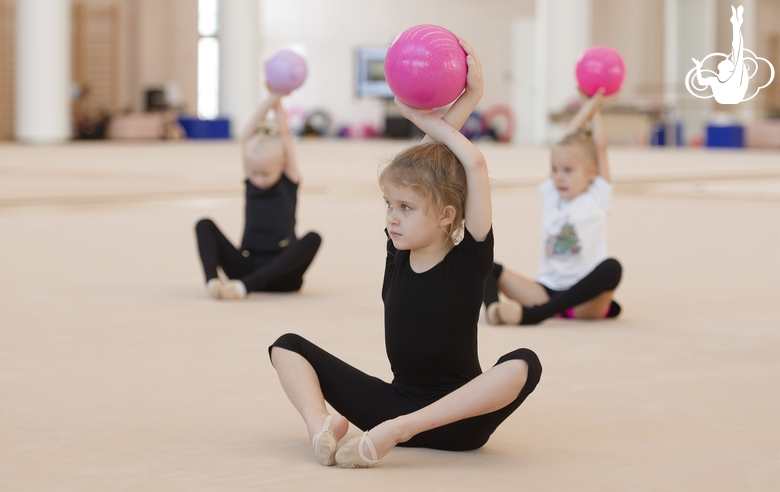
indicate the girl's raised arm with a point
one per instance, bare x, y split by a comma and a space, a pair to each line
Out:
479, 212
265, 106
291, 164
462, 108
600, 138
585, 112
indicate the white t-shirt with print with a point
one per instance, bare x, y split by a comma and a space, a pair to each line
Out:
574, 233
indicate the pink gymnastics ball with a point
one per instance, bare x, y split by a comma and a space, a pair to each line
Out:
425, 67
600, 66
285, 71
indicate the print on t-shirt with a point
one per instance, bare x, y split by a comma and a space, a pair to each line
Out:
565, 243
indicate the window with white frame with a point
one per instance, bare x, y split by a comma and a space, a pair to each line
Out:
208, 59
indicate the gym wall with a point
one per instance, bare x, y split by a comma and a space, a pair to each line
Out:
6, 70
332, 29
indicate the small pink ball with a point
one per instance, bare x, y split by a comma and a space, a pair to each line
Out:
425, 67
600, 66
285, 71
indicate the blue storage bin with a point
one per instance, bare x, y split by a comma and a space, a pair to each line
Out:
198, 128
725, 136
661, 130
658, 135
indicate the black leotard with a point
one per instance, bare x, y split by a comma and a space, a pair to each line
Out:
270, 216
431, 336
431, 317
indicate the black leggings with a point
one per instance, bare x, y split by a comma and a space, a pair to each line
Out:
605, 277
367, 401
275, 272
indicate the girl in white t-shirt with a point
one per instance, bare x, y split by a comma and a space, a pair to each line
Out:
575, 277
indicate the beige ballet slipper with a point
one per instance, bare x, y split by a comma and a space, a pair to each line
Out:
233, 289
325, 445
214, 288
510, 312
492, 314
351, 454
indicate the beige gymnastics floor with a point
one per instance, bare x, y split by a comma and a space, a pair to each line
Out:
118, 373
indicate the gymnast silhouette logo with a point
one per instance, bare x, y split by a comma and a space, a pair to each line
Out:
730, 84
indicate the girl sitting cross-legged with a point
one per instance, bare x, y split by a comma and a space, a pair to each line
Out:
436, 193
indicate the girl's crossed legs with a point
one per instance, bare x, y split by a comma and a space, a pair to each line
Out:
395, 414
280, 272
590, 298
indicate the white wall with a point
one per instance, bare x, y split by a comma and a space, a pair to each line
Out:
238, 62
526, 87
43, 75
562, 32
159, 42
332, 29
635, 28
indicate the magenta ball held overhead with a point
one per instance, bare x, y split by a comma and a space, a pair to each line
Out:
425, 67
600, 66
285, 71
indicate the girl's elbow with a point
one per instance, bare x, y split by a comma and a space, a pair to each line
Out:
480, 163
476, 161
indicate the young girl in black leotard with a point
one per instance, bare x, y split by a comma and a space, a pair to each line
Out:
432, 290
271, 258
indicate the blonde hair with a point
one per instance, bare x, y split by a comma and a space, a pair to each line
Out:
582, 140
434, 173
264, 141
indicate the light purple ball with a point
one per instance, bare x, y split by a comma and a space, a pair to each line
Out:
285, 71
425, 67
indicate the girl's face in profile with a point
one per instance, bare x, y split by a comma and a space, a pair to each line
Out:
410, 220
571, 172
